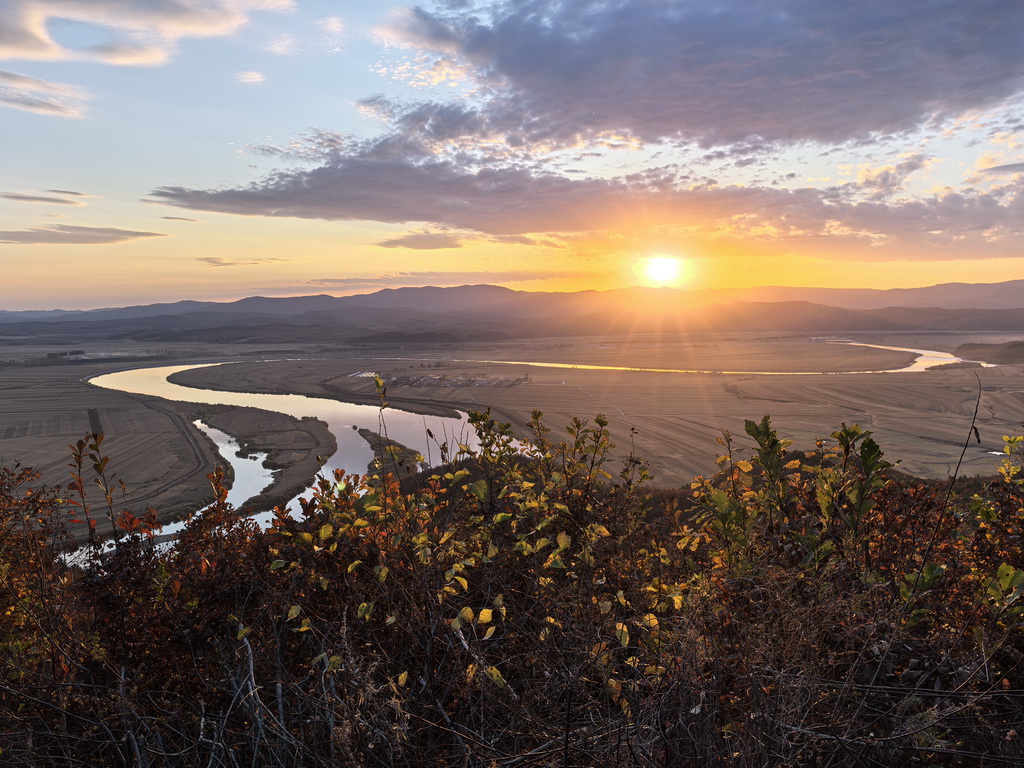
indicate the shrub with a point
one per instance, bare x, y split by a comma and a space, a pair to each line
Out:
526, 605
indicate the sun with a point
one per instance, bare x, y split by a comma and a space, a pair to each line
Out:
664, 270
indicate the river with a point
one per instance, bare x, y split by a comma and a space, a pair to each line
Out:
343, 419
410, 429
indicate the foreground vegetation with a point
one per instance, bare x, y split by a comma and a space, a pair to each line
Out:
526, 608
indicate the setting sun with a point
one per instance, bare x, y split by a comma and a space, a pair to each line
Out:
664, 270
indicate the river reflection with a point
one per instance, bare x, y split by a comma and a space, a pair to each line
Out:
343, 419
926, 359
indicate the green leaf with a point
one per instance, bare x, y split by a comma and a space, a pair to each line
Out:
364, 611
293, 612
277, 564
242, 632
479, 489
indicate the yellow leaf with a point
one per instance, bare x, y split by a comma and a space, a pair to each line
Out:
488, 633
564, 540
622, 633
494, 675
485, 616
402, 679
466, 614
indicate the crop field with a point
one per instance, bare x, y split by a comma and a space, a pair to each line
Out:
151, 445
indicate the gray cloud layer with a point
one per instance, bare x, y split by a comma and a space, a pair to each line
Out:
741, 77
66, 234
726, 71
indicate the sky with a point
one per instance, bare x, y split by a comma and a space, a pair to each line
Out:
158, 150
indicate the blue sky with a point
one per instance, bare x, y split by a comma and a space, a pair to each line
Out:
155, 150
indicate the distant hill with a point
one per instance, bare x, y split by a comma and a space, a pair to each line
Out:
1005, 295
488, 312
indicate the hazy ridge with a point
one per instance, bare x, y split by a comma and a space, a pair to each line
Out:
487, 312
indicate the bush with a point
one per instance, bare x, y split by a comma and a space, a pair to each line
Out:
526, 606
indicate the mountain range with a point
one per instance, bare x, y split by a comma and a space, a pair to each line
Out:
487, 312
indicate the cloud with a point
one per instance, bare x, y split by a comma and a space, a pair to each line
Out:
1009, 168
424, 241
889, 179
514, 202
181, 218
733, 70
66, 234
498, 201
332, 25
69, 193
251, 77
737, 83
22, 198
43, 97
283, 45
219, 261
138, 31
393, 279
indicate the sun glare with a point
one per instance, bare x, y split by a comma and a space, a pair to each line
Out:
664, 270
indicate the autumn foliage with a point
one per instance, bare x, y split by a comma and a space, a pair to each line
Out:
526, 607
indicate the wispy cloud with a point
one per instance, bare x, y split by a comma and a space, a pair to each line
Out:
43, 97
66, 234
424, 241
282, 45
181, 218
415, 278
19, 197
220, 261
251, 77
1008, 168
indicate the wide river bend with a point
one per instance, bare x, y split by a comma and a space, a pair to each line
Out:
410, 429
